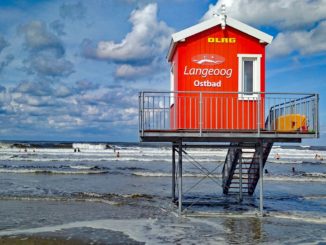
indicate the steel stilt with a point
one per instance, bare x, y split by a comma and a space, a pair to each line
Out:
261, 173
240, 179
173, 174
180, 178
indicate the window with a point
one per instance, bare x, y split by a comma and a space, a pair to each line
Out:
172, 85
249, 75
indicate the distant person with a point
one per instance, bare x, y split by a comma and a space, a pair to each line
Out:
277, 156
78, 149
118, 154
114, 149
293, 170
319, 157
266, 171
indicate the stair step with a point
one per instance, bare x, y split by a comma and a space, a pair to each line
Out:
244, 178
246, 168
238, 183
237, 193
235, 187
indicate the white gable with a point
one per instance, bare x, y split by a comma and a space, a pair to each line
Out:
215, 21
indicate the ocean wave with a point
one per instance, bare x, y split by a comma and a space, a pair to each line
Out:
162, 174
295, 178
109, 198
47, 171
314, 197
304, 217
298, 217
90, 146
305, 177
81, 167
318, 175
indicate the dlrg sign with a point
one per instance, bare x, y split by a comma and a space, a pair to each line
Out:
221, 40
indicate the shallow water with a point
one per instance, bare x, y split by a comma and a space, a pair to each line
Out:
92, 196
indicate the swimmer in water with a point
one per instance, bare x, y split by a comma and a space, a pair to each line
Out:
277, 156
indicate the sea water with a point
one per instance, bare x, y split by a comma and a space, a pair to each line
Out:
84, 193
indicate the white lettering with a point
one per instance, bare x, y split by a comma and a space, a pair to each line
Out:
204, 72
207, 83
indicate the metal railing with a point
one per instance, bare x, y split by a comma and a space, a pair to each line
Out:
232, 111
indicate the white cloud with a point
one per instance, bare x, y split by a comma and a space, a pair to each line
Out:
305, 42
148, 38
289, 14
128, 71
37, 37
301, 24
47, 65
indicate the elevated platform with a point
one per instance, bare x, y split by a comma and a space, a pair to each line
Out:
247, 126
189, 135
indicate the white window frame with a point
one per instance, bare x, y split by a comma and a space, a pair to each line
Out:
256, 58
172, 95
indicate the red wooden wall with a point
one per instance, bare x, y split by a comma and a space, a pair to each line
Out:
220, 111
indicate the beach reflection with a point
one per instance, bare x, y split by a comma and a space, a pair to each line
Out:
247, 230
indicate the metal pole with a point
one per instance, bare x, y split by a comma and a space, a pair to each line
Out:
240, 178
258, 113
180, 177
143, 112
261, 195
173, 173
317, 115
200, 113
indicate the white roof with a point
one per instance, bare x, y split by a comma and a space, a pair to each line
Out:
215, 21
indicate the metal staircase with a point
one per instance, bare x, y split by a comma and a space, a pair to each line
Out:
241, 167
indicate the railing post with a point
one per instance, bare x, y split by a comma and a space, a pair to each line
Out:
175, 110
139, 113
200, 114
316, 116
143, 113
258, 114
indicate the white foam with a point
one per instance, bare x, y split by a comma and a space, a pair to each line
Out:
80, 167
149, 231
298, 178
162, 174
132, 228
89, 146
298, 217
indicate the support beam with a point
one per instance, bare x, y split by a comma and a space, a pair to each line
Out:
240, 178
261, 176
173, 174
180, 178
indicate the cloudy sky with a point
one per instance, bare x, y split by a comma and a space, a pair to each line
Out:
72, 69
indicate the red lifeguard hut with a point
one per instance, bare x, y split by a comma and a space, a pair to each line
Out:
217, 94
223, 61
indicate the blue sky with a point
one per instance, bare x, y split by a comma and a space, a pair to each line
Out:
71, 70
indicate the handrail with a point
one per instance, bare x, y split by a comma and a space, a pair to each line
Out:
232, 111
288, 102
